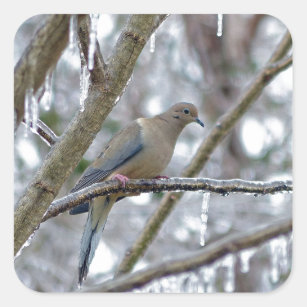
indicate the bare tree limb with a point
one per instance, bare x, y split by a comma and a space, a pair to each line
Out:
68, 151
133, 186
215, 137
205, 256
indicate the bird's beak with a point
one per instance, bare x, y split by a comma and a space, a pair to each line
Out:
199, 121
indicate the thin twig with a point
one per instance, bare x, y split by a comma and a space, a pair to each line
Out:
215, 137
45, 132
223, 187
283, 47
205, 256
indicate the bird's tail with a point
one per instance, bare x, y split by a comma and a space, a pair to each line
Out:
96, 220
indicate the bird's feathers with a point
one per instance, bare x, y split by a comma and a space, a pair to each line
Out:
142, 150
94, 227
120, 149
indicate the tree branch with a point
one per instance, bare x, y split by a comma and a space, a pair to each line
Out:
205, 256
133, 186
283, 47
40, 56
216, 135
65, 155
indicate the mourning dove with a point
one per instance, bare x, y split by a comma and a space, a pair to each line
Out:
141, 150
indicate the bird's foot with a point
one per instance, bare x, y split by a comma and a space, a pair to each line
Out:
161, 177
121, 178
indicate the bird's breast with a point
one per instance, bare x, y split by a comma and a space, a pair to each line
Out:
155, 155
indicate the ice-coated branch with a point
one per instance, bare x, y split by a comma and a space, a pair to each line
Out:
45, 133
65, 155
275, 65
204, 256
39, 57
223, 187
99, 69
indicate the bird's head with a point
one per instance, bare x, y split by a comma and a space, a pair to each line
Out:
185, 113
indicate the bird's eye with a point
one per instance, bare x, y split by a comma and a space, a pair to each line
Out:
186, 111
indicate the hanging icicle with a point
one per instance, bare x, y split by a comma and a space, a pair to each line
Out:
209, 276
84, 83
72, 32
46, 99
279, 258
219, 32
152, 42
27, 110
30, 111
245, 257
204, 218
229, 280
35, 113
92, 40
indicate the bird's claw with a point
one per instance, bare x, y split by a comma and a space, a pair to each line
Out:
122, 179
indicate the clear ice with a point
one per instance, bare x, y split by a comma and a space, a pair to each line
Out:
219, 32
245, 256
204, 218
30, 111
92, 40
84, 83
152, 42
46, 99
72, 32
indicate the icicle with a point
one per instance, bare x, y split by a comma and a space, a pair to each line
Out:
274, 250
245, 257
284, 255
168, 284
46, 99
279, 249
219, 32
190, 283
229, 281
92, 40
31, 110
35, 112
84, 83
156, 287
204, 218
72, 32
27, 111
286, 262
209, 276
26, 244
152, 42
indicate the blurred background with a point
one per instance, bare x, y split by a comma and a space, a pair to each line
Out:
188, 62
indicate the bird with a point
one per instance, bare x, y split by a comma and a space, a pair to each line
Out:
142, 150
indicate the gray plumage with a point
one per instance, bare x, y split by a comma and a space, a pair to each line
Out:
141, 150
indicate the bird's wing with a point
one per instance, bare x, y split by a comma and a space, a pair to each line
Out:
120, 149
90, 176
